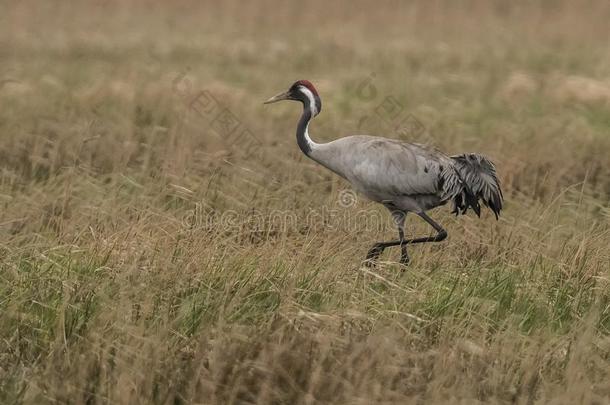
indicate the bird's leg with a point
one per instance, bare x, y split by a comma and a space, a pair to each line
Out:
379, 247
441, 234
399, 218
404, 256
374, 253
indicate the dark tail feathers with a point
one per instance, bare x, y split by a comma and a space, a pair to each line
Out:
480, 181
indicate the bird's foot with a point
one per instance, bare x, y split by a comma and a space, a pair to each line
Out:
370, 263
373, 254
404, 262
404, 256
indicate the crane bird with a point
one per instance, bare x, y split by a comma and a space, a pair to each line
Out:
404, 177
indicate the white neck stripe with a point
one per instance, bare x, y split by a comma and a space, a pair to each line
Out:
312, 101
314, 111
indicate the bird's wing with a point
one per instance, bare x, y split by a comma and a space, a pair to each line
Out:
387, 167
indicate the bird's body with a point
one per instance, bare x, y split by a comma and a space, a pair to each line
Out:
404, 177
387, 170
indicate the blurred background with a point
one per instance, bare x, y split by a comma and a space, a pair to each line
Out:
470, 72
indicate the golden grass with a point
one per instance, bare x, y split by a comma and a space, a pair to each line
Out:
150, 256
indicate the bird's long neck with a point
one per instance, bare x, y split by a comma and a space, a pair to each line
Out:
306, 144
303, 140
318, 152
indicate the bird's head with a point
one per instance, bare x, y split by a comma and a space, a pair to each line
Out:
304, 92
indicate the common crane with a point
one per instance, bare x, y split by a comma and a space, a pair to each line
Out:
404, 177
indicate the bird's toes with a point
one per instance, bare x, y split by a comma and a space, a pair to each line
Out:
404, 261
370, 262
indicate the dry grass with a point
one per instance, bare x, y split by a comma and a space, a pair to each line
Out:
146, 258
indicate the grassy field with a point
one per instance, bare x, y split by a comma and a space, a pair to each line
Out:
163, 240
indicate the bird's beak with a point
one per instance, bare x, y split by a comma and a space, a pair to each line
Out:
278, 97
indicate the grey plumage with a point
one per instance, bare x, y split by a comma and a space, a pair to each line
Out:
411, 177
404, 177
